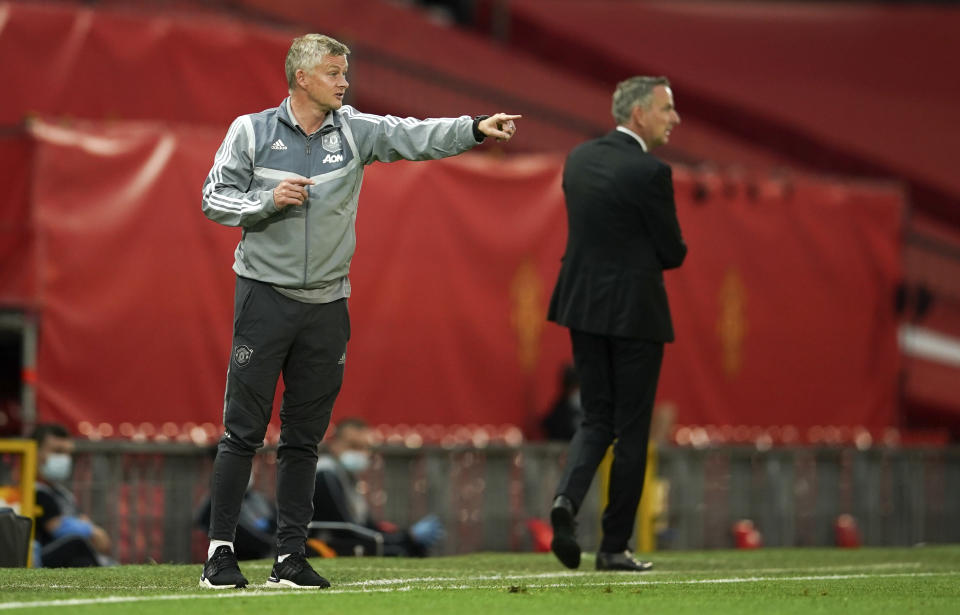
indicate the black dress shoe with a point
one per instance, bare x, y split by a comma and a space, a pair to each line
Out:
564, 544
621, 560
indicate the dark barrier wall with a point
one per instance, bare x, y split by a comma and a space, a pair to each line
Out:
145, 495
783, 309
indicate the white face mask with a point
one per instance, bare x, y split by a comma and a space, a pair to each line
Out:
355, 462
57, 466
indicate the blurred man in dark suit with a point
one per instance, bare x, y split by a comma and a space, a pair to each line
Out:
623, 232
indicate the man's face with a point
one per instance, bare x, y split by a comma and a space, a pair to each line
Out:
351, 446
658, 119
326, 83
53, 445
353, 439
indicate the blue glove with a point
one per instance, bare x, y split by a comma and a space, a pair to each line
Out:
427, 531
262, 524
73, 526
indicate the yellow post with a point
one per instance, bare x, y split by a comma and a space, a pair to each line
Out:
647, 512
647, 515
28, 476
603, 472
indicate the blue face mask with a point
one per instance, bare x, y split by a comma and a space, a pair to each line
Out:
57, 467
355, 462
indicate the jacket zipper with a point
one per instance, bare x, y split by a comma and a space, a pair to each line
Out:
306, 225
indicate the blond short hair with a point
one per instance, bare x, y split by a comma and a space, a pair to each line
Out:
308, 50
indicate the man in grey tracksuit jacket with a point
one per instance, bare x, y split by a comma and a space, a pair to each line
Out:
290, 178
311, 246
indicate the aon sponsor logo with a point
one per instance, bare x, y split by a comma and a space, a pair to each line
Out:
332, 158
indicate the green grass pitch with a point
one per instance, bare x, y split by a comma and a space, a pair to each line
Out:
803, 581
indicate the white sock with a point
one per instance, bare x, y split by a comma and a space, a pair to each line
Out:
280, 558
217, 543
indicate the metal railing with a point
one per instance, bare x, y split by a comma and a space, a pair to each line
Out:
145, 495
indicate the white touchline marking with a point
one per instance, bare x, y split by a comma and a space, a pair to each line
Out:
491, 577
372, 569
822, 577
406, 586
495, 576
794, 569
210, 594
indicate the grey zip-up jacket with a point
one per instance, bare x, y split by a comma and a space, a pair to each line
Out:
311, 246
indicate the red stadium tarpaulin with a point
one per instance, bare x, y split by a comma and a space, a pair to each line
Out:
783, 309
842, 87
124, 63
154, 62
17, 257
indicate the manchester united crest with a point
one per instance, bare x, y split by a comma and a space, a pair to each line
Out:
331, 141
242, 355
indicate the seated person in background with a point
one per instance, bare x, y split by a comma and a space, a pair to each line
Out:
66, 538
336, 499
256, 535
566, 412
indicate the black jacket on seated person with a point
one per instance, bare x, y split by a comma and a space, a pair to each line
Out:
335, 498
65, 551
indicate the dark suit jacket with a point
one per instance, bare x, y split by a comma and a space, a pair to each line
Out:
623, 232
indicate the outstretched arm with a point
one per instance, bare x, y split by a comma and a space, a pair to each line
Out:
386, 138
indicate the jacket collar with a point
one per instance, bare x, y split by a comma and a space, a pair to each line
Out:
637, 137
285, 114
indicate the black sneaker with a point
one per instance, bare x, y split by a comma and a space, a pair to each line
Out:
222, 571
295, 571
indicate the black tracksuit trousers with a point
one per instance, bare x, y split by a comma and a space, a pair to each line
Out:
306, 342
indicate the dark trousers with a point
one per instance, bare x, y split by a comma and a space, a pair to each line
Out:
618, 384
307, 343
